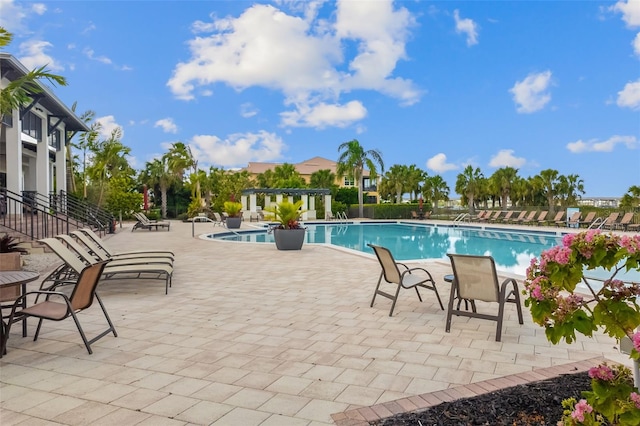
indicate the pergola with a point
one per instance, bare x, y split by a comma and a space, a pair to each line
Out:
308, 203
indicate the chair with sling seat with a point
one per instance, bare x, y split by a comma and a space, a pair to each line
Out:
100, 243
475, 279
408, 278
81, 298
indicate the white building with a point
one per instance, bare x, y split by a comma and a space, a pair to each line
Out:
33, 138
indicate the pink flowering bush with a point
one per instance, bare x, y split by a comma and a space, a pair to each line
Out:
550, 288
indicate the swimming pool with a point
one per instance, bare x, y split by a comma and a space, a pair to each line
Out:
511, 250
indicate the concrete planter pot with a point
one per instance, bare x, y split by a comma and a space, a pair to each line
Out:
233, 222
289, 239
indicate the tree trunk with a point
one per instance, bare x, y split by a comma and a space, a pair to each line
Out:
163, 194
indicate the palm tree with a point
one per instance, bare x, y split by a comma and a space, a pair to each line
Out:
323, 179
415, 176
502, 181
548, 181
396, 177
632, 198
109, 161
157, 172
352, 161
437, 190
287, 176
570, 189
19, 92
468, 185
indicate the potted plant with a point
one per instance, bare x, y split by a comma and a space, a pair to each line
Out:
10, 253
288, 234
233, 210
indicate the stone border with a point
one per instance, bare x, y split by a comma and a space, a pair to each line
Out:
362, 416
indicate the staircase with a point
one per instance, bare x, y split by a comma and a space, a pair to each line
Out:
31, 216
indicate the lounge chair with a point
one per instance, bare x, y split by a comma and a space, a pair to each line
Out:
588, 220
528, 218
610, 221
414, 215
519, 218
540, 219
490, 216
100, 243
478, 216
75, 261
574, 220
96, 256
145, 223
625, 221
558, 219
58, 306
408, 278
506, 218
476, 279
96, 250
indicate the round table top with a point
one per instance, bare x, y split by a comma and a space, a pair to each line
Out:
9, 278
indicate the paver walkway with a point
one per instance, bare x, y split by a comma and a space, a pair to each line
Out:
249, 335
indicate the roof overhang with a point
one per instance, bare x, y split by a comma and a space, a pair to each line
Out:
287, 191
12, 69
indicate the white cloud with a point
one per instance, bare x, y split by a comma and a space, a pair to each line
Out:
466, 26
12, 16
247, 110
629, 97
322, 115
108, 125
438, 163
631, 142
531, 94
33, 55
630, 10
505, 158
636, 44
39, 8
89, 53
308, 58
167, 125
237, 149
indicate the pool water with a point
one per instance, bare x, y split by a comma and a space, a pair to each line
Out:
512, 251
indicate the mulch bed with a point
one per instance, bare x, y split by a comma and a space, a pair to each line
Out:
536, 403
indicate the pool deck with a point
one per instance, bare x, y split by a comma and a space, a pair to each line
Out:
249, 335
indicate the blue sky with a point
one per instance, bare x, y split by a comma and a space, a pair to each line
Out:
528, 84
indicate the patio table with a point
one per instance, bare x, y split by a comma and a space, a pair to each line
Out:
11, 279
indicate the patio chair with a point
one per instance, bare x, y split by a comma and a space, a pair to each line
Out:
414, 215
490, 216
476, 279
10, 294
76, 258
408, 278
81, 298
101, 244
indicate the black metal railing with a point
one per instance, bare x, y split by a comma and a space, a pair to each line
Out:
38, 216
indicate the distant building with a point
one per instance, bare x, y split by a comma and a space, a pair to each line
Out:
611, 202
308, 167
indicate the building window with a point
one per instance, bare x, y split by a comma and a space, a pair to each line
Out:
32, 126
348, 181
54, 140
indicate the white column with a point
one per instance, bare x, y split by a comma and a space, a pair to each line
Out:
14, 154
61, 164
243, 201
305, 204
278, 198
43, 171
290, 199
253, 203
327, 205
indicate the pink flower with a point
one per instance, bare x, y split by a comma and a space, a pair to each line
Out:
636, 341
536, 292
635, 398
590, 234
581, 407
568, 239
563, 255
601, 372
